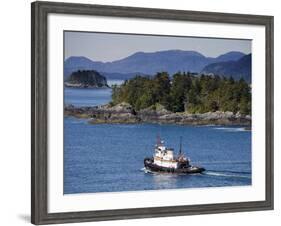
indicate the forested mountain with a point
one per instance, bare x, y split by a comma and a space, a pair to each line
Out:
241, 68
148, 63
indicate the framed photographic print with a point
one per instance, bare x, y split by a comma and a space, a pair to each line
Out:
140, 112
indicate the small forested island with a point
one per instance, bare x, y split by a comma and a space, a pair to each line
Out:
183, 99
86, 79
185, 92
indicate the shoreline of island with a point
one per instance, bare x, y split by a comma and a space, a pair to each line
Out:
124, 113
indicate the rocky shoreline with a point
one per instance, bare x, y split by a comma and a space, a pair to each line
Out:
125, 114
82, 86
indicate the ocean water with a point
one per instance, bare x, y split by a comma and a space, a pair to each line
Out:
109, 158
89, 97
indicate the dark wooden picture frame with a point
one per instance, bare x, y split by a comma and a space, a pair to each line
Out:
39, 107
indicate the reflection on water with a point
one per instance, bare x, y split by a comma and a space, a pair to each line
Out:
170, 181
162, 181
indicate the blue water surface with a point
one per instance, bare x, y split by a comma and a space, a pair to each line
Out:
109, 158
89, 96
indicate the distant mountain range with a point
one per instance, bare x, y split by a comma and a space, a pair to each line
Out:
170, 61
241, 68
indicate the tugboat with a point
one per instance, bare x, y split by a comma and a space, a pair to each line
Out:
164, 161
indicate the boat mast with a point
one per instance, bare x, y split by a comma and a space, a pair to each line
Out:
180, 145
158, 141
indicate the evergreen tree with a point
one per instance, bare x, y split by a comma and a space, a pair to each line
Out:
185, 92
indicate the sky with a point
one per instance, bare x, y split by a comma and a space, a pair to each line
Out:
107, 47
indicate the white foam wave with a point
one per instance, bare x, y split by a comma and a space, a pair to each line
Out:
231, 129
225, 174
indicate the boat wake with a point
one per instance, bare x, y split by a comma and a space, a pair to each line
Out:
233, 174
162, 173
144, 170
223, 162
150, 172
228, 174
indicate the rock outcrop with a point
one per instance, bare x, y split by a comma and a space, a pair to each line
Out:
124, 113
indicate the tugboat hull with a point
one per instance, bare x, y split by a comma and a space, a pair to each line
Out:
149, 165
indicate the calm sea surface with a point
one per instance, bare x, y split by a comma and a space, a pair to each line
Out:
109, 158
89, 97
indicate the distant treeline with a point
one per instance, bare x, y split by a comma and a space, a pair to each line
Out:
185, 92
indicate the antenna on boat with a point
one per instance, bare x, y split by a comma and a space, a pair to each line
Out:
180, 145
158, 140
